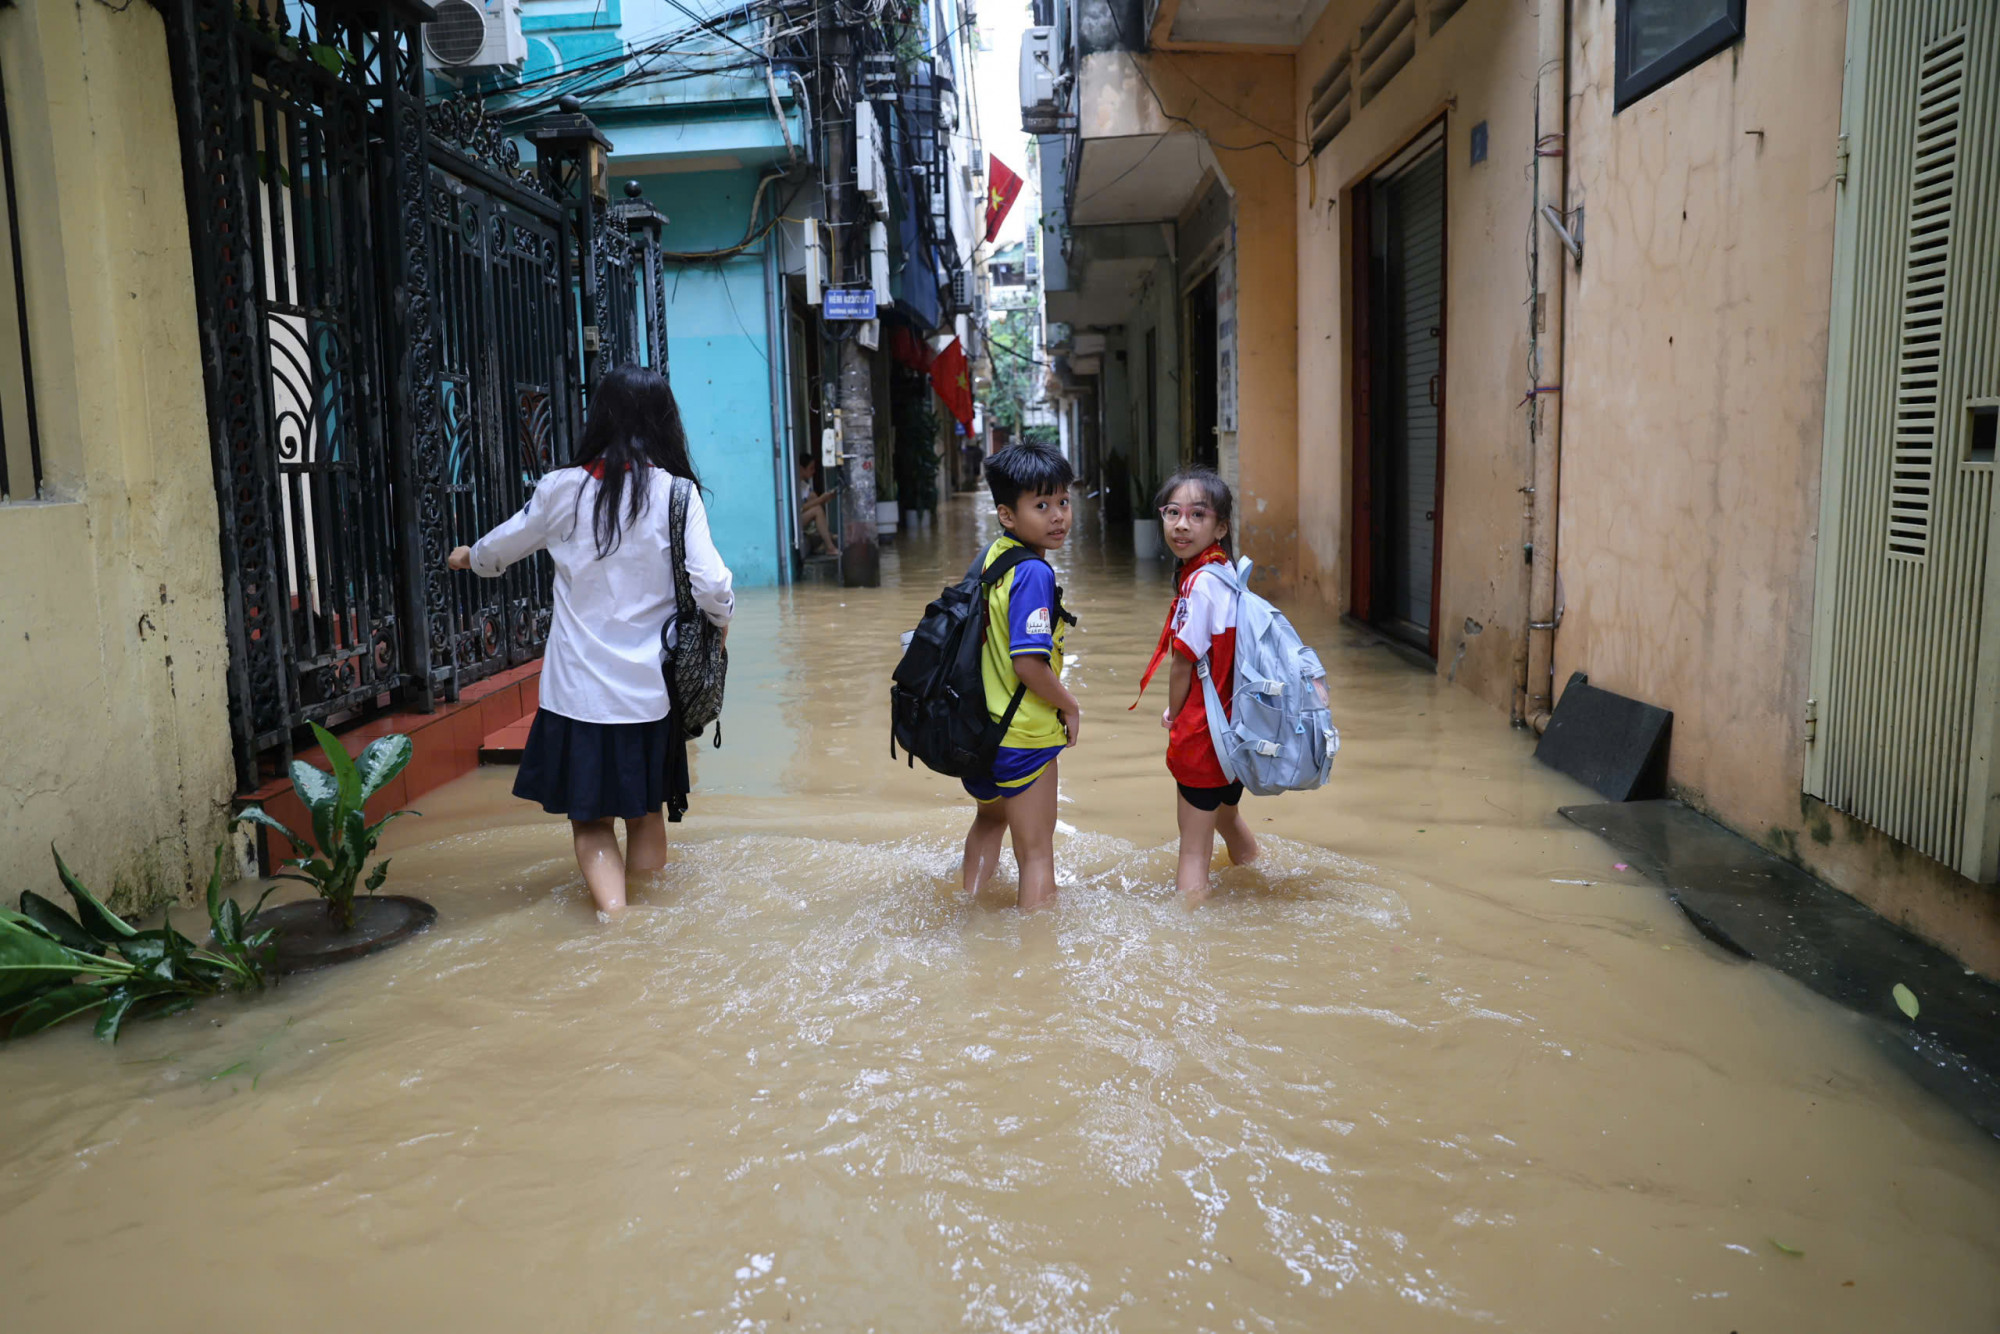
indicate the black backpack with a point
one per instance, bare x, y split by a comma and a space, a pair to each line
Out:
937, 699
697, 665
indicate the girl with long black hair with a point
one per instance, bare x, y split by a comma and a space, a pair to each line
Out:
606, 745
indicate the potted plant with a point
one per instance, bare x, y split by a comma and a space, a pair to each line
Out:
333, 859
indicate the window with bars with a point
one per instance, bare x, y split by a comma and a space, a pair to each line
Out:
20, 442
1660, 40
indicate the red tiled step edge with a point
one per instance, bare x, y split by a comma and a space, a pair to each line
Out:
445, 745
505, 746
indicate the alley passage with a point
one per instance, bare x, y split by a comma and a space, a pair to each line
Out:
1437, 1065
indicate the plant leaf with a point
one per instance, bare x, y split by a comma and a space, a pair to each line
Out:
97, 919
344, 771
378, 875
29, 959
214, 898
229, 923
1906, 1000
375, 830
1788, 1250
315, 786
326, 57
381, 761
55, 1006
116, 1006
258, 815
55, 922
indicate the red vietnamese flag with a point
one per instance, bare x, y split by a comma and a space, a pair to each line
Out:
952, 379
1001, 187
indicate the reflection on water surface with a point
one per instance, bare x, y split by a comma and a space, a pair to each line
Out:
1434, 1064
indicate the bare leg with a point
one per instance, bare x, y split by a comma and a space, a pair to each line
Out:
1031, 819
982, 843
1236, 835
598, 857
1197, 849
646, 843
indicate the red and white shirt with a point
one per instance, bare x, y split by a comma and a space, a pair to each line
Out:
1204, 624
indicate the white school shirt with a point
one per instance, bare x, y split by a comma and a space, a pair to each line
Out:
602, 664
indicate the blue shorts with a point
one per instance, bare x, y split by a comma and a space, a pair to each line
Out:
1015, 770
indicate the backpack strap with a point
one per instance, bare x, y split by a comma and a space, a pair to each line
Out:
990, 579
1005, 561
677, 508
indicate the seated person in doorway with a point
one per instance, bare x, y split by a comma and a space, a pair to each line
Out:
812, 510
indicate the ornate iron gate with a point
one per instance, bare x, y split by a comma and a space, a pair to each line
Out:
389, 317
503, 374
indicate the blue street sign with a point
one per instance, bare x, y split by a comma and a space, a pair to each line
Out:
850, 303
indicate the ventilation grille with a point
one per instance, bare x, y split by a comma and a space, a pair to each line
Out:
1332, 104
1927, 259
1388, 40
1442, 10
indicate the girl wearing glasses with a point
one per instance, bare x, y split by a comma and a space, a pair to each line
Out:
1195, 511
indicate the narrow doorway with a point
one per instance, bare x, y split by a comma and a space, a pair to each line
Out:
1201, 418
1399, 368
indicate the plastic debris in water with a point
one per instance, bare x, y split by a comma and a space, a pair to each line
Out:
1906, 1000
1620, 866
1788, 1250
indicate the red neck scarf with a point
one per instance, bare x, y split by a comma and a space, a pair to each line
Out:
596, 468
1210, 555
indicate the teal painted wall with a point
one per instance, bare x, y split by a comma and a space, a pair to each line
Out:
719, 355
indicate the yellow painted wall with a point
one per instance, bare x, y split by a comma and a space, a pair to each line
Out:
1232, 98
1478, 67
115, 741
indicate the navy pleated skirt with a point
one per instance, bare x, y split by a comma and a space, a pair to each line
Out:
597, 771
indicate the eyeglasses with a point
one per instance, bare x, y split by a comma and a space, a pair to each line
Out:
1193, 513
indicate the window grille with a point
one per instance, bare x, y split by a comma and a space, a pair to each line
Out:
20, 441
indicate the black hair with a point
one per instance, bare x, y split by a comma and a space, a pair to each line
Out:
1036, 470
634, 424
1214, 491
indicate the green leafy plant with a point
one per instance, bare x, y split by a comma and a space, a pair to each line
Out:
54, 966
342, 840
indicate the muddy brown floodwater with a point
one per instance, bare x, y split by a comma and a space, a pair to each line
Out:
1436, 1064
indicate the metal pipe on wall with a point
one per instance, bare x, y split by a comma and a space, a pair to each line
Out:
1536, 695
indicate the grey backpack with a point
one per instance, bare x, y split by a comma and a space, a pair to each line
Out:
1279, 734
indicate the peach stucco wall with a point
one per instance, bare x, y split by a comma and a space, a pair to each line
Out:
1231, 99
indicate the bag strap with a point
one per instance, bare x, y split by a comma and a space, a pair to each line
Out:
1215, 718
1005, 561
989, 579
677, 507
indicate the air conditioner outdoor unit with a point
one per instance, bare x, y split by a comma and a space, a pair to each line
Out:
1039, 112
469, 34
961, 292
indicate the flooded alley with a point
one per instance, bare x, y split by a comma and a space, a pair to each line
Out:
1437, 1063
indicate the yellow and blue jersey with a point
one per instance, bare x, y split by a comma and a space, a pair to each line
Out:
1023, 617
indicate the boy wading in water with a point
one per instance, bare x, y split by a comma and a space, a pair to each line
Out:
1025, 626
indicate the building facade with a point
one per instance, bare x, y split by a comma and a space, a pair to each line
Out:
1642, 341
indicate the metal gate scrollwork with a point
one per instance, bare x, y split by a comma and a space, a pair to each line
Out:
393, 316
